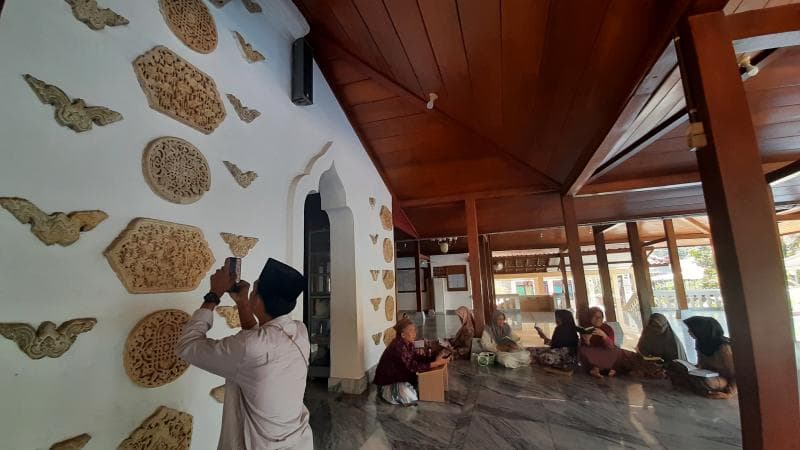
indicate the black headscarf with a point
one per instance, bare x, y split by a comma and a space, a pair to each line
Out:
658, 339
565, 334
708, 334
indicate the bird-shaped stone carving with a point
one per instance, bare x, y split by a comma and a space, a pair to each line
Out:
55, 228
47, 340
95, 17
243, 178
74, 114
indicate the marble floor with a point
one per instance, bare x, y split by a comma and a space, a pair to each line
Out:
526, 408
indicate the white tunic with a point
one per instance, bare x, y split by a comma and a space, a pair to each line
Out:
265, 371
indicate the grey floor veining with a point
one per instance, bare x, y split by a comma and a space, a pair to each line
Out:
526, 408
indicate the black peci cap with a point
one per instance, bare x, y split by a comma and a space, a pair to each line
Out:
279, 285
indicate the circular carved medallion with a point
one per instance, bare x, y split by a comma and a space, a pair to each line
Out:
388, 278
389, 308
149, 356
176, 170
192, 23
389, 335
386, 219
388, 250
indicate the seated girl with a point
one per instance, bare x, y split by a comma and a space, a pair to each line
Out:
560, 354
659, 341
396, 374
598, 351
498, 338
714, 354
461, 344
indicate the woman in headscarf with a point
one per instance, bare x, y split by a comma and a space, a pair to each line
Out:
598, 352
498, 338
396, 374
562, 347
461, 344
714, 354
658, 340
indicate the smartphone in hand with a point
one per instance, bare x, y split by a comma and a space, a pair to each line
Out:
234, 267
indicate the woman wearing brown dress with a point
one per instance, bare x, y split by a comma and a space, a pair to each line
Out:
461, 344
598, 352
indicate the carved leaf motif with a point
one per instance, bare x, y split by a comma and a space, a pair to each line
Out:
192, 23
218, 393
75, 443
246, 114
374, 238
376, 338
372, 203
166, 429
388, 279
47, 340
55, 228
153, 256
176, 170
95, 17
250, 54
388, 250
180, 90
376, 303
150, 359
374, 274
389, 308
252, 6
386, 219
231, 315
242, 178
240, 245
74, 114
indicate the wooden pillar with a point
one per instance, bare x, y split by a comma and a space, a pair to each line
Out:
746, 243
575, 258
564, 281
675, 264
473, 244
416, 271
641, 272
539, 285
605, 275
487, 277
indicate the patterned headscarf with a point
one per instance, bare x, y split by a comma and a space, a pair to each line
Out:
498, 332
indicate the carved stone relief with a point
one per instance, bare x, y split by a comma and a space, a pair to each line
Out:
246, 114
47, 340
250, 54
56, 228
166, 429
376, 338
242, 178
240, 245
389, 308
74, 114
386, 219
374, 274
252, 6
220, 3
153, 256
388, 250
176, 170
218, 393
192, 23
230, 314
150, 359
372, 203
389, 335
75, 443
95, 17
376, 303
180, 90
374, 238
388, 278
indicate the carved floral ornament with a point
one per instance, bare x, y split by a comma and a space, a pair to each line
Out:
389, 308
250, 54
95, 17
56, 228
74, 443
220, 3
152, 256
218, 393
386, 219
376, 303
246, 114
243, 179
176, 170
240, 245
388, 250
376, 338
373, 238
74, 114
231, 315
374, 274
388, 279
47, 340
166, 429
252, 6
389, 335
192, 23
150, 359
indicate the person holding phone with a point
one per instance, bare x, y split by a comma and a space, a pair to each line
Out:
265, 365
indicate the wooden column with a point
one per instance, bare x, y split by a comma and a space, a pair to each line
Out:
564, 281
487, 277
473, 244
605, 275
575, 257
641, 272
416, 271
746, 244
675, 264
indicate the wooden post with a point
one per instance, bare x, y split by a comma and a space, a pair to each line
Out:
564, 281
575, 257
641, 272
675, 264
746, 243
605, 275
473, 244
416, 272
487, 277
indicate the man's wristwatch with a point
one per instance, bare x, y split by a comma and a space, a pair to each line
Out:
211, 298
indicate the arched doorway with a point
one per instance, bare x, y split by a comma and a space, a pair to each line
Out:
317, 296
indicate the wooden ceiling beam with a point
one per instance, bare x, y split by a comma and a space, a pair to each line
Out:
785, 173
501, 193
697, 225
766, 28
641, 184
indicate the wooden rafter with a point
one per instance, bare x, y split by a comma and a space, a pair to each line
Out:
697, 225
765, 28
502, 193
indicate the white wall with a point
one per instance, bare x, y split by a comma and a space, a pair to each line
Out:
452, 299
87, 390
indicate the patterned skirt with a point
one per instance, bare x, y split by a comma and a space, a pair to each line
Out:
399, 393
560, 358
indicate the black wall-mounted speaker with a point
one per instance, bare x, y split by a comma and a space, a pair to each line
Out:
302, 73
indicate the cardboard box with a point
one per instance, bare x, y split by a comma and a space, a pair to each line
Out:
432, 384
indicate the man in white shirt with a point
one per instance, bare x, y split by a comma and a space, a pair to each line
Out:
264, 365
